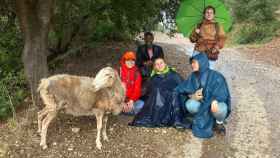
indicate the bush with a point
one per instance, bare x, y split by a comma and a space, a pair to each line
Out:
12, 92
12, 81
255, 20
257, 11
252, 33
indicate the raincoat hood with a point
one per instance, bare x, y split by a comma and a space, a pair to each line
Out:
202, 61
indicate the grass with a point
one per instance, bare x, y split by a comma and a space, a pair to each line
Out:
252, 35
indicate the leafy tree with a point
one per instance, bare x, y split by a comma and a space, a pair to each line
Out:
98, 20
34, 21
255, 20
257, 11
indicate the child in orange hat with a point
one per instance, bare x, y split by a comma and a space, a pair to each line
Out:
132, 79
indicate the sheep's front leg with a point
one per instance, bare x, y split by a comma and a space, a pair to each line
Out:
99, 117
104, 130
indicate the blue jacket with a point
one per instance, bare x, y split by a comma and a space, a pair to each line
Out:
214, 88
158, 108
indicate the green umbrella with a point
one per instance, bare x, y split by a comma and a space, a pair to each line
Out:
191, 13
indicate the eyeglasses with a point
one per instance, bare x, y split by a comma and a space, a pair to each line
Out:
130, 61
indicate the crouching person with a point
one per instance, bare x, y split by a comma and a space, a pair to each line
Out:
132, 79
208, 98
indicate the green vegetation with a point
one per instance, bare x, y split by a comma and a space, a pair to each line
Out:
255, 20
12, 82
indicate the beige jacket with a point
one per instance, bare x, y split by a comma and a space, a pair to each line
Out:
207, 38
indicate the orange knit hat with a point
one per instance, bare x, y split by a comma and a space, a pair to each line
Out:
129, 55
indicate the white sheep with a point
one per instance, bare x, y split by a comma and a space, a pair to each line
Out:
81, 96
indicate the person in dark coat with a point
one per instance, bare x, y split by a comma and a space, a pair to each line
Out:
208, 98
146, 54
158, 108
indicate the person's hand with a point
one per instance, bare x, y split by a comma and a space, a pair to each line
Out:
197, 95
214, 106
124, 107
197, 31
128, 106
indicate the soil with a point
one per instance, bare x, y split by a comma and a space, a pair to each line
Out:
268, 53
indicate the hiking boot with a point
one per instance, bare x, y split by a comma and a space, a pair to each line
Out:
220, 129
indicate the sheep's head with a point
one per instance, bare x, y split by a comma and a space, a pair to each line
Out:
105, 78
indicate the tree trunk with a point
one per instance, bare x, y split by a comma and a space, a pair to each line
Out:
34, 17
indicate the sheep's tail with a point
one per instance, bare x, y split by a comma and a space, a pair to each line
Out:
43, 84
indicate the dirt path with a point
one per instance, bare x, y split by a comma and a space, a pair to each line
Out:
253, 128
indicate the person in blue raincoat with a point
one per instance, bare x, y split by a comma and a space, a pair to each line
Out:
158, 107
207, 98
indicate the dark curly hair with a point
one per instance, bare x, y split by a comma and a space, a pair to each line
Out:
148, 34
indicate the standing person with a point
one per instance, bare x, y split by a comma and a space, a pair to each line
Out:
208, 98
132, 79
209, 36
158, 108
146, 54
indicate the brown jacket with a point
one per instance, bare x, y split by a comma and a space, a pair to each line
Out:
207, 38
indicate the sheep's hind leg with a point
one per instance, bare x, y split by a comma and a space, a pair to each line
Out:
104, 130
41, 115
99, 117
45, 124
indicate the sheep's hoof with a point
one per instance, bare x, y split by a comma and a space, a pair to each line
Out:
44, 146
105, 138
98, 146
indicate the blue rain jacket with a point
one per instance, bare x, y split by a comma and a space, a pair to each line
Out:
214, 88
158, 108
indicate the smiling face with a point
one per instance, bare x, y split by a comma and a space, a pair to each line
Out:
159, 64
195, 65
209, 14
130, 63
